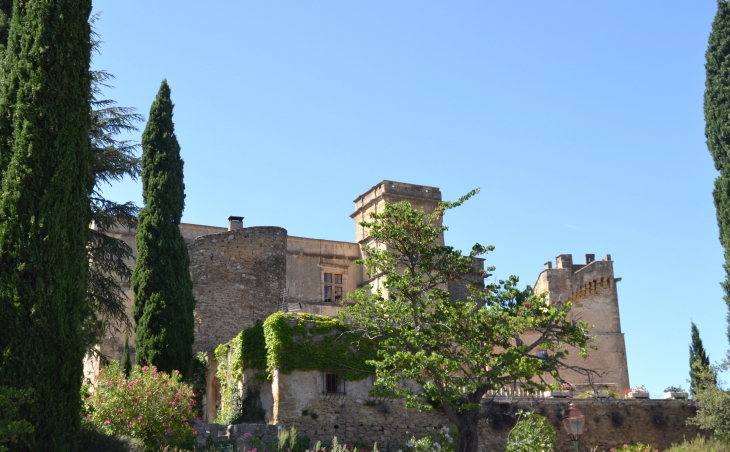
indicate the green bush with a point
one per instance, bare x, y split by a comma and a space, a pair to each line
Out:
93, 439
151, 406
531, 433
438, 440
638, 447
700, 444
13, 429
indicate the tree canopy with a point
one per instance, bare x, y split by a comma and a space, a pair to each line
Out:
456, 351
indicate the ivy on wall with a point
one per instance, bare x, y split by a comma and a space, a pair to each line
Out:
289, 342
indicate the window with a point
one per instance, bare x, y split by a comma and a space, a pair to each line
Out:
332, 287
333, 383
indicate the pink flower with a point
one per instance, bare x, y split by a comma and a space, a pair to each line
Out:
119, 410
139, 419
144, 369
149, 393
246, 435
168, 431
88, 415
107, 422
164, 424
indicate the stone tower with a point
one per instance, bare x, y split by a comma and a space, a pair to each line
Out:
373, 200
591, 288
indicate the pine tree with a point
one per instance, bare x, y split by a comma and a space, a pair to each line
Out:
45, 162
717, 127
698, 361
163, 296
126, 360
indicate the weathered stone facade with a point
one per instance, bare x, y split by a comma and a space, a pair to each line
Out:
237, 277
591, 288
243, 274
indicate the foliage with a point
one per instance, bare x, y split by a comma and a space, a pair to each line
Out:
442, 440
163, 290
426, 337
197, 380
126, 360
13, 429
289, 441
698, 360
713, 405
638, 447
93, 439
337, 447
316, 343
531, 433
717, 127
673, 389
45, 166
700, 444
288, 342
590, 393
150, 405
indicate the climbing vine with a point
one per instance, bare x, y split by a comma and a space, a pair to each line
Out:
311, 342
289, 342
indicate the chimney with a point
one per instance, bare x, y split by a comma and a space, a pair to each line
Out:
235, 223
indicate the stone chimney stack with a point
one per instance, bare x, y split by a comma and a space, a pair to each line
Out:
235, 223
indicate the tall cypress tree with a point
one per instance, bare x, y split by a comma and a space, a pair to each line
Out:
698, 361
717, 127
45, 163
163, 291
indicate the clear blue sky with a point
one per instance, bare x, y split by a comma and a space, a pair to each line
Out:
581, 121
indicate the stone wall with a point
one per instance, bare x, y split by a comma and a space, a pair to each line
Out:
237, 277
608, 424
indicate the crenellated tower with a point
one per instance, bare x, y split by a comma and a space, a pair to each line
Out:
591, 288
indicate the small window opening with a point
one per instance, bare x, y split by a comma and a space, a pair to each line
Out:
333, 383
333, 287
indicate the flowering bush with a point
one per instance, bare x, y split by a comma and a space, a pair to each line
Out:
438, 440
565, 386
638, 447
152, 406
636, 389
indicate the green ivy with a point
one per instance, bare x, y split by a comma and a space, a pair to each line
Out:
311, 342
289, 342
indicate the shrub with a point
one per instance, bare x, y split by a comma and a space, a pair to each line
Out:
13, 429
337, 447
532, 432
438, 440
700, 444
638, 447
152, 406
93, 439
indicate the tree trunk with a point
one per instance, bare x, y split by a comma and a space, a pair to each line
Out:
468, 437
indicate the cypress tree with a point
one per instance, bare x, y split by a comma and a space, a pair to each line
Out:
698, 361
45, 163
163, 291
717, 127
126, 361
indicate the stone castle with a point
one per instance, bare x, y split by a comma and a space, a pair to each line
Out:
243, 274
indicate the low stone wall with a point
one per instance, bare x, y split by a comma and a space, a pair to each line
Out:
265, 432
610, 423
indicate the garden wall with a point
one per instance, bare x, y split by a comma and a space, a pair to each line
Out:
609, 423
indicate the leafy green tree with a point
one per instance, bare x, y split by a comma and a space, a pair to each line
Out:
45, 161
713, 404
531, 433
717, 127
163, 296
113, 160
698, 360
455, 350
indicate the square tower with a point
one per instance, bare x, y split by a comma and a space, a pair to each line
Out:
421, 197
